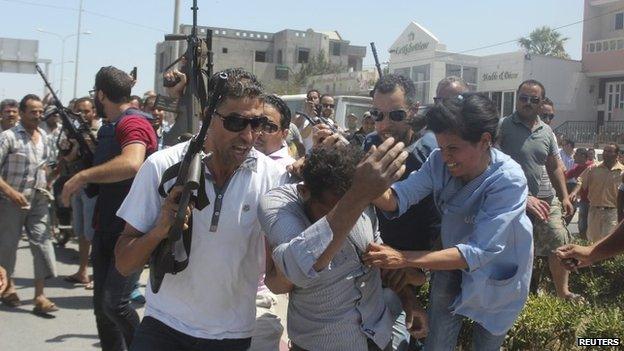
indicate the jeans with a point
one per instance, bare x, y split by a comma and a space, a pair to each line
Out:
444, 326
153, 335
582, 218
116, 320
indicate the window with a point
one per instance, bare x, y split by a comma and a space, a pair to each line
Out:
599, 46
619, 21
303, 55
421, 76
453, 70
281, 72
238, 34
279, 57
223, 32
224, 50
261, 56
620, 44
334, 48
216, 31
162, 61
509, 101
266, 36
592, 47
468, 74
497, 98
405, 72
251, 35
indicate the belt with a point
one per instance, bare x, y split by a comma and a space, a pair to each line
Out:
603, 207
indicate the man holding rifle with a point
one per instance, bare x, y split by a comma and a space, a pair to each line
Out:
124, 141
211, 303
24, 200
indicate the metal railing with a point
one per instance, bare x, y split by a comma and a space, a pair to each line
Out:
589, 132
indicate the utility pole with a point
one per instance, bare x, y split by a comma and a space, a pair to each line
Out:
77, 49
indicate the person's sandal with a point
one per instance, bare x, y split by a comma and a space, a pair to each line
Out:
572, 297
11, 299
45, 307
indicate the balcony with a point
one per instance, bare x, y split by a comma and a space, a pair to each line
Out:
602, 2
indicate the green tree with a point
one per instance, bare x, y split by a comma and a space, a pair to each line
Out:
544, 41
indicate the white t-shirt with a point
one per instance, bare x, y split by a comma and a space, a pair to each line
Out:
214, 297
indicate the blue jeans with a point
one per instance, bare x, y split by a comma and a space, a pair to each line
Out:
153, 335
444, 326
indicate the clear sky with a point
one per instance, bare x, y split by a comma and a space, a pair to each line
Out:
125, 33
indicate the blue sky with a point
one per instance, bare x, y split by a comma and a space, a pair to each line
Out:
125, 33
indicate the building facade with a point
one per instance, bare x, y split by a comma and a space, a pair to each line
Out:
420, 55
273, 57
603, 57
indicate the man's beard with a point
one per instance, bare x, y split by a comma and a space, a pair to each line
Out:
99, 108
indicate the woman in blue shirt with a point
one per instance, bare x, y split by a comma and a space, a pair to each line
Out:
483, 271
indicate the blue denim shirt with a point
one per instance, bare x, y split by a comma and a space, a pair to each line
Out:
486, 221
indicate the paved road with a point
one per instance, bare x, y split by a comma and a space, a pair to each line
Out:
73, 326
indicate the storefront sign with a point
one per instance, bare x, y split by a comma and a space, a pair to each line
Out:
502, 75
410, 47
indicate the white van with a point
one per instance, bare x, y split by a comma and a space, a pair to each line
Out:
345, 105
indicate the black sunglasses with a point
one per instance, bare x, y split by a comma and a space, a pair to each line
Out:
236, 123
396, 115
532, 99
328, 105
270, 128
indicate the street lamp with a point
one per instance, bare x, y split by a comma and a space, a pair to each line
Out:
63, 39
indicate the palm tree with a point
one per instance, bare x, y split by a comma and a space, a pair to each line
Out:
544, 41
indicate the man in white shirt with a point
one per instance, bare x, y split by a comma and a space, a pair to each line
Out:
272, 140
211, 303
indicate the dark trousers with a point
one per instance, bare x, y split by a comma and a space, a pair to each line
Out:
153, 335
116, 320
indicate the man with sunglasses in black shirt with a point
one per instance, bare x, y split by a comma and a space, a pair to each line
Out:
394, 110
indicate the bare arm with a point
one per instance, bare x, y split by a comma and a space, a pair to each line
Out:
383, 256
133, 248
387, 201
609, 246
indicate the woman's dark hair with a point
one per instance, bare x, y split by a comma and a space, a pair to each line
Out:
330, 168
468, 115
281, 107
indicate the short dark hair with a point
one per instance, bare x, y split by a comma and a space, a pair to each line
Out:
150, 100
468, 115
239, 84
616, 146
329, 168
548, 101
25, 99
138, 98
568, 142
446, 81
388, 83
8, 103
313, 91
83, 99
532, 82
114, 83
281, 107
325, 95
581, 151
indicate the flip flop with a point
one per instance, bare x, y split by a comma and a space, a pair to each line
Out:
45, 308
74, 280
89, 285
11, 300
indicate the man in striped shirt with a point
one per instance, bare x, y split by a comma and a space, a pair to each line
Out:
24, 199
317, 231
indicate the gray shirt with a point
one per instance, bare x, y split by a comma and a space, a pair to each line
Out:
340, 307
530, 148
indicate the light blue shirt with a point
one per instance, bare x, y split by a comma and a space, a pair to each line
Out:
486, 221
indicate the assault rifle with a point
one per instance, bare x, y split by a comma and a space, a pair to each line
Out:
75, 126
327, 122
377, 64
189, 171
197, 59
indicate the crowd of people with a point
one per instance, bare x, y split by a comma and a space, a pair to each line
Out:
350, 223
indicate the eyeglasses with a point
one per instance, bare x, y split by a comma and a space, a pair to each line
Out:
328, 105
396, 115
532, 99
236, 123
270, 128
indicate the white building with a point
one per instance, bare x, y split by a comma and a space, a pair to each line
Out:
420, 55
